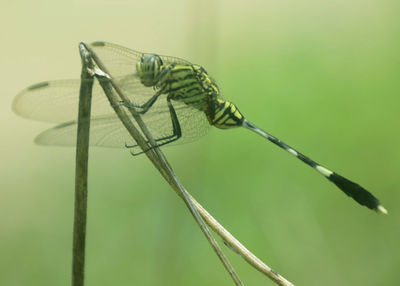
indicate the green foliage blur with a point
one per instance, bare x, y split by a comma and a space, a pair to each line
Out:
321, 76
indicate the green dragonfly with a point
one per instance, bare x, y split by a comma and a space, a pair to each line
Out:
178, 102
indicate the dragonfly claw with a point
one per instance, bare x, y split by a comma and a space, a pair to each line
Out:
120, 103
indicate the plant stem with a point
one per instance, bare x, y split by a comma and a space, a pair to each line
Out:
81, 171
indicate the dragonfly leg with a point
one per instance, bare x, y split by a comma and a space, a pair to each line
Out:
176, 131
162, 77
142, 109
160, 80
120, 103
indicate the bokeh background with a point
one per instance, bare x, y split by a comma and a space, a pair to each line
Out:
321, 75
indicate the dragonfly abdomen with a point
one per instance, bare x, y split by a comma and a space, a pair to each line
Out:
224, 114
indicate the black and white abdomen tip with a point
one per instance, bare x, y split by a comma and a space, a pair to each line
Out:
358, 193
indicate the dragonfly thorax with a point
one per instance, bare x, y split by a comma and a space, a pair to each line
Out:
190, 84
149, 68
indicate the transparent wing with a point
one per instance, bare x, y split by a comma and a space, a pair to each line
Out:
121, 61
108, 131
57, 101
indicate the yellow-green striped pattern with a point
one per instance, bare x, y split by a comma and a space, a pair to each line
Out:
192, 85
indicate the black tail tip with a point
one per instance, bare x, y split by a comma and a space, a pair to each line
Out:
358, 193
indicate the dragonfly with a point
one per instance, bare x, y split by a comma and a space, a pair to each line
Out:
178, 102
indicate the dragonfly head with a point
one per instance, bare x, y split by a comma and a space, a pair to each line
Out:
149, 68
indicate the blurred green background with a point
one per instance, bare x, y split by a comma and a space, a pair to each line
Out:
321, 75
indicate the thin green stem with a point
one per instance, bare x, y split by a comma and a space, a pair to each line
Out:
81, 171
